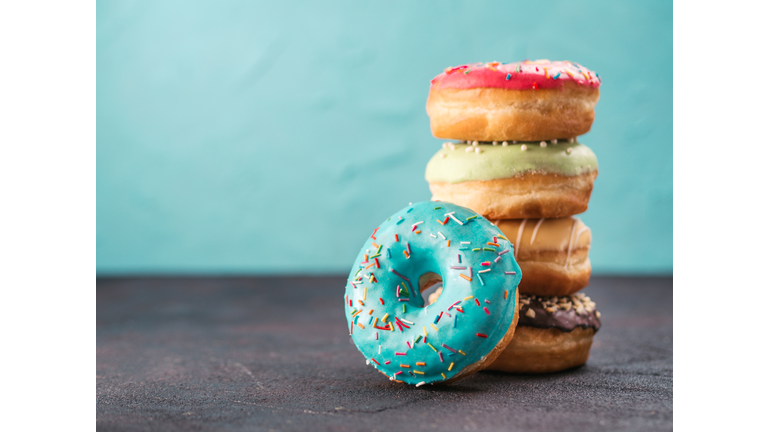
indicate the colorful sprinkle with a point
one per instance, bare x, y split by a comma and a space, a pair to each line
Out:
449, 348
401, 322
451, 366
482, 335
454, 218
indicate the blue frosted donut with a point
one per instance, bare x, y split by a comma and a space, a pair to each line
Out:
476, 312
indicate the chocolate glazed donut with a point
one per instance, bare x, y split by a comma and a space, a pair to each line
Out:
552, 334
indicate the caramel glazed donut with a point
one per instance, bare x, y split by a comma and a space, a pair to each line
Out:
504, 180
553, 334
524, 101
553, 254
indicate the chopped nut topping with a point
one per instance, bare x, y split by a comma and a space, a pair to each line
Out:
579, 302
530, 313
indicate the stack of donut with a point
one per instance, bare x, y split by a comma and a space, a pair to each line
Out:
518, 163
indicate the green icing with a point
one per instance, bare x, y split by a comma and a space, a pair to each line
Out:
498, 162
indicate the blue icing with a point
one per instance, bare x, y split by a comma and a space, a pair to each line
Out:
431, 254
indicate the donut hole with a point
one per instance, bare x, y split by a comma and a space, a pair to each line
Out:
430, 287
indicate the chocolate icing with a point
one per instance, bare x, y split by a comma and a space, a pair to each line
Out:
561, 319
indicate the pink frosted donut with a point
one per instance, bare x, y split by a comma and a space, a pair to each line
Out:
522, 101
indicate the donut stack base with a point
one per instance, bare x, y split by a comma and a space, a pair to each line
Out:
553, 334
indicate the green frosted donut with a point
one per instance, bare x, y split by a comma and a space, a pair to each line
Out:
454, 164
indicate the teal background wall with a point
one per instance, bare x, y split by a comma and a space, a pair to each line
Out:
272, 137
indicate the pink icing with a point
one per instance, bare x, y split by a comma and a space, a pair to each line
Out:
539, 74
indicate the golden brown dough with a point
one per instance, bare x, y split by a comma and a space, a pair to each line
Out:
497, 114
553, 254
530, 195
535, 350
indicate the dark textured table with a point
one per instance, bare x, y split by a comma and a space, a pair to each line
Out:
274, 354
